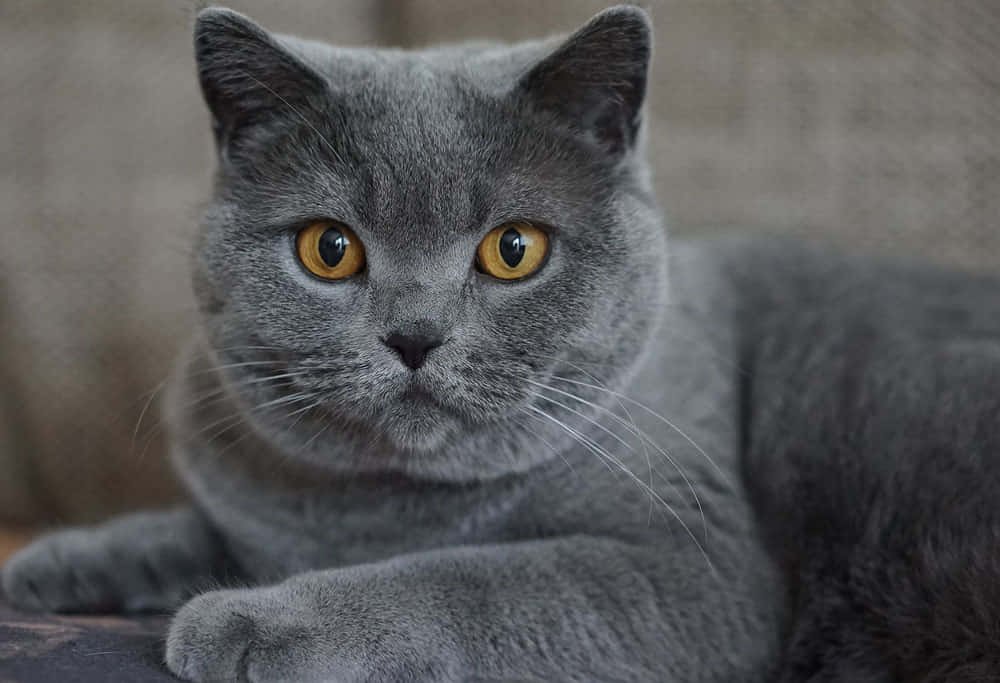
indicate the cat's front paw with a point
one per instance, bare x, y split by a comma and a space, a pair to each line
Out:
281, 634
126, 565
62, 572
233, 635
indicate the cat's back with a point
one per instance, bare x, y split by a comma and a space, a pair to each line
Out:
869, 395
793, 304
851, 368
767, 277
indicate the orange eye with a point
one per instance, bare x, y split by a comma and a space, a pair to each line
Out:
512, 251
330, 250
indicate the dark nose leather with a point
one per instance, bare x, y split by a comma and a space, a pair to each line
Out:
412, 349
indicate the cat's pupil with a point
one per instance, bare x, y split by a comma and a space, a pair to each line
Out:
512, 247
332, 245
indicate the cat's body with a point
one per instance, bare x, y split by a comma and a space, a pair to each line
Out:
280, 518
871, 435
559, 489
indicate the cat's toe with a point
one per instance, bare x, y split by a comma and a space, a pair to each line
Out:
209, 638
20, 587
51, 576
248, 635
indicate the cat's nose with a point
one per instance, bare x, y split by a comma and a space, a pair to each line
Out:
412, 349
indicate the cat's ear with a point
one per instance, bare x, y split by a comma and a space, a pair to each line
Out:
246, 75
596, 79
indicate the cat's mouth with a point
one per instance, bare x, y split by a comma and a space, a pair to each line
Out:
417, 394
415, 418
416, 410
421, 397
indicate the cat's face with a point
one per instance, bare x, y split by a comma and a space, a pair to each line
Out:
422, 360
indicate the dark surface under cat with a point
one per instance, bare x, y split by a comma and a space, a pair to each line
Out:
44, 648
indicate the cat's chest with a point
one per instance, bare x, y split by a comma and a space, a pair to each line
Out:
280, 532
363, 524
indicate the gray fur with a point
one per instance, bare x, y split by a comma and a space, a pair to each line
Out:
441, 524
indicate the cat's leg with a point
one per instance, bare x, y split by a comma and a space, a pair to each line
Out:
575, 608
139, 562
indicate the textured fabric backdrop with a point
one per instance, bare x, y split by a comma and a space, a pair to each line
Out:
866, 122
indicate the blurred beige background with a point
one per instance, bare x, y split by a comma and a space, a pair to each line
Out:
871, 123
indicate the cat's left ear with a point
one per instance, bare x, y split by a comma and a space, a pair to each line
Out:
596, 79
247, 76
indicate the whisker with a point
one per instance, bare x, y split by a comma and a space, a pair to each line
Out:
637, 431
577, 437
585, 417
546, 442
329, 423
247, 348
643, 437
238, 415
232, 443
202, 399
245, 434
602, 454
629, 446
142, 414
270, 378
217, 369
302, 411
300, 414
659, 417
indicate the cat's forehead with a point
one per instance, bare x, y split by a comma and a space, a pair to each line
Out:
427, 132
487, 66
429, 105
428, 137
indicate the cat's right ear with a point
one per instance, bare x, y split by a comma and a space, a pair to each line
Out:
246, 75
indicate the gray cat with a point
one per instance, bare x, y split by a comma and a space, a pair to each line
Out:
454, 414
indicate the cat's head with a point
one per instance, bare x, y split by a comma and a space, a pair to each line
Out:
405, 247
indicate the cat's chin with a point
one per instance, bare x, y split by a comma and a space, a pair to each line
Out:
419, 442
416, 423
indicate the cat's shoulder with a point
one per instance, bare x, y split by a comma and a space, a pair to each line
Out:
778, 272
